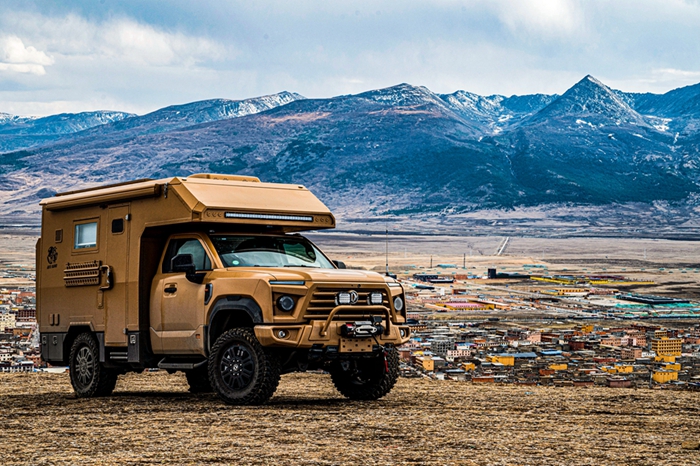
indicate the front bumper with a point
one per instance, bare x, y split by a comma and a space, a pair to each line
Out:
323, 333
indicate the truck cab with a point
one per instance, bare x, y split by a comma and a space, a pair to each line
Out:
209, 275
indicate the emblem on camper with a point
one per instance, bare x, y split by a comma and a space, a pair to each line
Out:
52, 256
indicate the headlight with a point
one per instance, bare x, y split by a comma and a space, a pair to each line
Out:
375, 298
398, 303
286, 303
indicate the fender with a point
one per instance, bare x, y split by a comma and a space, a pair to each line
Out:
252, 313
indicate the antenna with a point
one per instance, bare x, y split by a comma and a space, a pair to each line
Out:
387, 250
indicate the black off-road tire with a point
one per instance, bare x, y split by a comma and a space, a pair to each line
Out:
198, 379
366, 379
241, 371
87, 375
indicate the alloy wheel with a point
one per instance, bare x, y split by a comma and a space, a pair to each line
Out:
237, 367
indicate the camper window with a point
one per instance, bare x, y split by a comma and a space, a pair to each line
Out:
118, 226
85, 235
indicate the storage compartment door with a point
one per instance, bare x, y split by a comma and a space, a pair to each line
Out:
116, 298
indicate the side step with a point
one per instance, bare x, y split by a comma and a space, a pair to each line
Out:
118, 355
180, 365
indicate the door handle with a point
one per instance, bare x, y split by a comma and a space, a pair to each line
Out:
170, 289
107, 270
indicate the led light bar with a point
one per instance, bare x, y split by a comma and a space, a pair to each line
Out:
287, 282
343, 298
292, 218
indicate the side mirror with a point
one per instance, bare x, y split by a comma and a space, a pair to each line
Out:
185, 263
339, 264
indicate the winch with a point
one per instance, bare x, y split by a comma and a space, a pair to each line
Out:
363, 328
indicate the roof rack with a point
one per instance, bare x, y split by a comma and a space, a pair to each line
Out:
210, 176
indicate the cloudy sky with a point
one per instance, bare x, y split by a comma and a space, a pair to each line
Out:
138, 56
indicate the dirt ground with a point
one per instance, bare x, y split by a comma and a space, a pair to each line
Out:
673, 265
152, 419
611, 253
17, 252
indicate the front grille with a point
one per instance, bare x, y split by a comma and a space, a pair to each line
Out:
323, 300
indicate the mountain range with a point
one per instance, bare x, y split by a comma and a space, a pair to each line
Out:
398, 152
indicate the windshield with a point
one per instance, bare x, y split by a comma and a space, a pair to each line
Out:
268, 251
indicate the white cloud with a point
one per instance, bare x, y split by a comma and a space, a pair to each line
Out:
671, 74
139, 56
18, 58
547, 18
112, 63
23, 68
657, 80
133, 41
116, 38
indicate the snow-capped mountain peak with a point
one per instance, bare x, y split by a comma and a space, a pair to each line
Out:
592, 100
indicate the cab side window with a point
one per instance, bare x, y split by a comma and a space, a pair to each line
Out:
186, 246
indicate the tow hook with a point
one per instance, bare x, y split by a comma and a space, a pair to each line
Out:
385, 355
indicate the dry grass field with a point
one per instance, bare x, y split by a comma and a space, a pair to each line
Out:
152, 419
611, 253
673, 265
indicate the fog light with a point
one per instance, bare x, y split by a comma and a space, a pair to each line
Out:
342, 298
282, 334
398, 303
375, 298
403, 333
286, 303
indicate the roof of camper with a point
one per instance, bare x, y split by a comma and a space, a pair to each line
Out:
213, 198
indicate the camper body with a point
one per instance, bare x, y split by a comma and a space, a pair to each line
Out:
208, 275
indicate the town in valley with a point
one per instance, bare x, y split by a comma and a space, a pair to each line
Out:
492, 319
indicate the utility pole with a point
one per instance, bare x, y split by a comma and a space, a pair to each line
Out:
464, 262
431, 261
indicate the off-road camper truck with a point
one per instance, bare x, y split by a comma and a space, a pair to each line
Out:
207, 274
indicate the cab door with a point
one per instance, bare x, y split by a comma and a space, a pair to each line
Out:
177, 310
